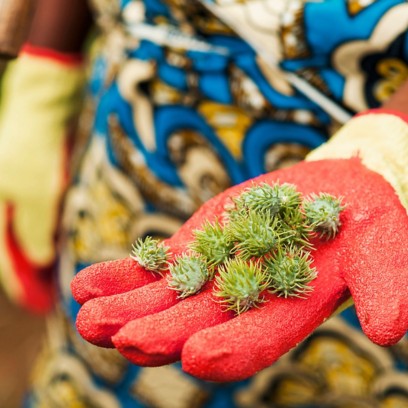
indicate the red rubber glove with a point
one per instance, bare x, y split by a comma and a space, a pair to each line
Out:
368, 258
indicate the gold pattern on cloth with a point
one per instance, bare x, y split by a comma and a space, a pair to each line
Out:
106, 9
282, 155
275, 77
62, 380
167, 387
102, 209
246, 94
312, 76
133, 78
192, 18
259, 20
164, 94
394, 73
348, 56
292, 32
356, 6
159, 193
229, 122
107, 364
198, 165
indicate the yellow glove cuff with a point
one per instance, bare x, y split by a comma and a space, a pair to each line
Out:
380, 140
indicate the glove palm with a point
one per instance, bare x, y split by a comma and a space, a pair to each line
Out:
368, 259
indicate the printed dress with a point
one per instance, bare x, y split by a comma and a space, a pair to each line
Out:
179, 108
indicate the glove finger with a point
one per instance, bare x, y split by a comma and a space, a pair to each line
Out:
100, 318
158, 339
110, 278
237, 349
378, 275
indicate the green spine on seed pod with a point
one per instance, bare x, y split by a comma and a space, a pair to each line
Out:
289, 197
255, 234
290, 273
239, 284
264, 198
151, 254
188, 274
296, 222
212, 243
323, 214
264, 244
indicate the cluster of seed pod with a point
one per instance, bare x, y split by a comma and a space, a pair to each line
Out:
262, 243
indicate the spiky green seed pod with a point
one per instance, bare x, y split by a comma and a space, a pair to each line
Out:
295, 221
255, 234
290, 272
151, 254
262, 198
212, 243
289, 197
188, 274
323, 214
239, 284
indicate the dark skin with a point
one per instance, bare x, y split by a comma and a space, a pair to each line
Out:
399, 101
63, 26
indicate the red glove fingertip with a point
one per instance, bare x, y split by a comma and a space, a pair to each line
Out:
161, 336
110, 278
101, 318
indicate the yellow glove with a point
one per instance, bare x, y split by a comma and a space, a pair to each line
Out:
380, 138
40, 96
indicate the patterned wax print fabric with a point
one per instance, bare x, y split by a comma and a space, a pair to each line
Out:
179, 108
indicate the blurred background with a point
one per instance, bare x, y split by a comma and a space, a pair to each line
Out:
20, 338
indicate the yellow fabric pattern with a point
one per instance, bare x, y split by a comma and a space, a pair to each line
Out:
39, 97
380, 140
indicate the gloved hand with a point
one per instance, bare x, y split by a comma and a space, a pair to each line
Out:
40, 95
368, 259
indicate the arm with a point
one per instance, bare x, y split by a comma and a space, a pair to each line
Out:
15, 20
60, 25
